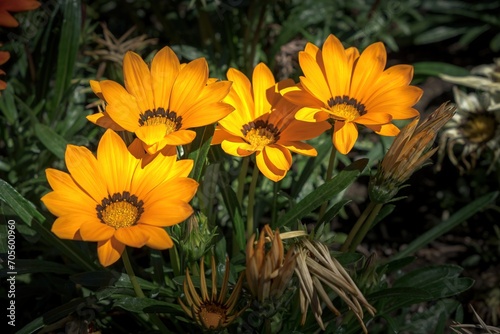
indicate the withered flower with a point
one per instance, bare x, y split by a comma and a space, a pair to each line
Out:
268, 273
409, 151
316, 268
211, 311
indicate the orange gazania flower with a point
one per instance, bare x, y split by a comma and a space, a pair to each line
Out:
4, 57
115, 202
347, 88
160, 104
263, 123
6, 6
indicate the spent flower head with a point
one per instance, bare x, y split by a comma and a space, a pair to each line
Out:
316, 268
212, 310
408, 153
473, 130
268, 272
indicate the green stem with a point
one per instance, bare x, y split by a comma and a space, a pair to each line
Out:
138, 291
251, 200
357, 226
329, 173
131, 275
274, 207
241, 179
366, 227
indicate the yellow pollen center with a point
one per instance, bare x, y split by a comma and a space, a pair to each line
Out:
212, 315
171, 126
120, 214
345, 108
259, 138
161, 116
480, 128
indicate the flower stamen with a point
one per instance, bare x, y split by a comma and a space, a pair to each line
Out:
344, 108
260, 134
120, 210
480, 128
161, 116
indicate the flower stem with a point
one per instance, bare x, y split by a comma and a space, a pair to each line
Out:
241, 179
138, 291
329, 173
274, 208
366, 226
356, 227
251, 200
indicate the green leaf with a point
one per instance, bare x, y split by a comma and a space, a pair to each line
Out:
434, 68
438, 34
21, 206
51, 140
7, 106
32, 327
198, 150
444, 227
334, 211
323, 193
38, 266
146, 305
234, 209
495, 43
68, 49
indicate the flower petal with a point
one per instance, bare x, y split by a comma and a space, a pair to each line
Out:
133, 236
105, 121
122, 107
314, 79
338, 72
188, 86
300, 148
109, 251
368, 70
262, 81
158, 237
96, 231
66, 227
267, 168
138, 81
234, 147
240, 96
166, 213
345, 135
164, 70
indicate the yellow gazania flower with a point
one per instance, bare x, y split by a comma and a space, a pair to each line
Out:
4, 57
347, 88
161, 103
263, 122
115, 202
6, 6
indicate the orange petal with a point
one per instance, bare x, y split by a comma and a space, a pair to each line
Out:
314, 80
96, 88
103, 120
242, 88
279, 156
188, 86
122, 107
7, 20
138, 81
234, 146
96, 231
158, 237
303, 98
67, 226
338, 72
345, 135
298, 130
180, 137
109, 251
300, 148
206, 114
164, 70
374, 118
151, 134
385, 129
267, 168
262, 80
84, 169
368, 70
166, 213
133, 236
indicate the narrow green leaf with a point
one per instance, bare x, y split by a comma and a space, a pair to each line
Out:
444, 227
24, 266
438, 34
234, 210
147, 305
21, 206
434, 68
68, 49
495, 43
198, 150
32, 327
334, 211
51, 140
7, 106
323, 193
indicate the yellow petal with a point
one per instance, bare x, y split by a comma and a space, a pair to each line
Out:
96, 88
182, 189
267, 168
96, 231
242, 88
300, 148
104, 120
166, 213
298, 130
385, 129
164, 70
344, 136
122, 107
133, 236
67, 226
109, 251
180, 137
151, 134
262, 81
279, 156
158, 237
188, 86
374, 118
234, 147
211, 93
338, 72
138, 81
303, 98
314, 79
115, 162
307, 114
368, 70
84, 169
206, 114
